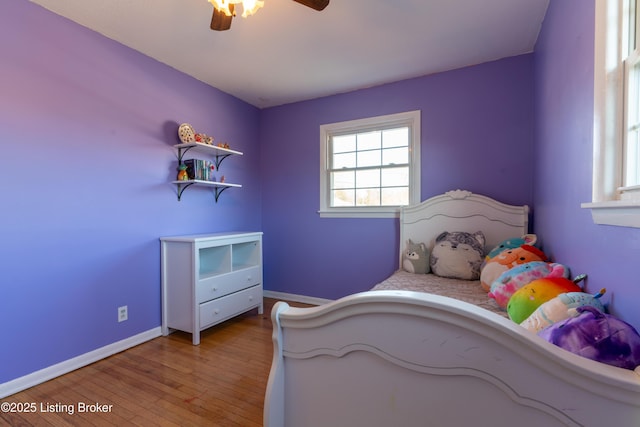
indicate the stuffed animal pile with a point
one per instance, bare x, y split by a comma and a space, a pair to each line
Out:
540, 296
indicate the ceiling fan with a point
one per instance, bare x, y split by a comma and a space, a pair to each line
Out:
223, 10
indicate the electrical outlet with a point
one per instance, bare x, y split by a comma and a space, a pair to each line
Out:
123, 313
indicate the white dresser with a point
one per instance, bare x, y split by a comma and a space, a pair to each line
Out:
209, 278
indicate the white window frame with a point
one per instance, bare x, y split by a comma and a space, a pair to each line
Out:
609, 131
410, 119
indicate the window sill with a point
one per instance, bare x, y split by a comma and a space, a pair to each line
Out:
621, 213
360, 213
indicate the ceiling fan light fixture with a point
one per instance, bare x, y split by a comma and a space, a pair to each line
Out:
249, 7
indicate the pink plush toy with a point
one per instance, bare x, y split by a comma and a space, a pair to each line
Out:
516, 277
505, 260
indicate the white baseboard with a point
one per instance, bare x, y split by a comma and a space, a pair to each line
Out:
43, 375
296, 298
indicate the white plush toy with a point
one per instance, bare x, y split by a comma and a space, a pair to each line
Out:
458, 255
560, 308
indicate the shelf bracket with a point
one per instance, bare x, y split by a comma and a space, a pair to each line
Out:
218, 191
182, 187
182, 152
220, 158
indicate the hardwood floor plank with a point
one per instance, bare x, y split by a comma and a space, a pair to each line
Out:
166, 381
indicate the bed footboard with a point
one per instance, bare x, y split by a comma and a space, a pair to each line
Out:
385, 358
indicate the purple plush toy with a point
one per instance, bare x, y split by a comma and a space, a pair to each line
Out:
597, 336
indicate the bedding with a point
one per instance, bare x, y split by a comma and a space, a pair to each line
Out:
468, 291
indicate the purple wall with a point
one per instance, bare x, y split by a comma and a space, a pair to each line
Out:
563, 156
86, 128
477, 134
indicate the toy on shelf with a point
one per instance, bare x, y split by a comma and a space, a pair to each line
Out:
204, 138
187, 134
182, 173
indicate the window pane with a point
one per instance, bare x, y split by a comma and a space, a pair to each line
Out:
369, 158
343, 179
343, 198
634, 91
368, 197
633, 25
636, 27
395, 138
344, 143
346, 160
633, 122
395, 156
369, 140
368, 178
633, 159
395, 196
393, 177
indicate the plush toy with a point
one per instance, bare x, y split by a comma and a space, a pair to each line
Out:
560, 308
527, 239
415, 258
529, 297
506, 260
597, 336
516, 277
458, 255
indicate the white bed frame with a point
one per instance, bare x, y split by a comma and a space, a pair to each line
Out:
400, 358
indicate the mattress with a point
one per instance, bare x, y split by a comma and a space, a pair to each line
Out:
468, 291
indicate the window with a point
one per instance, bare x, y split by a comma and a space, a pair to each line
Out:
631, 47
370, 167
616, 156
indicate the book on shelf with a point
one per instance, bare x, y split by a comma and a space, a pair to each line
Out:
200, 169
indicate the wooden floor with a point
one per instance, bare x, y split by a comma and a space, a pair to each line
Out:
164, 382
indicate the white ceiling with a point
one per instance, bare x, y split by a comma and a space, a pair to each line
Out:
288, 52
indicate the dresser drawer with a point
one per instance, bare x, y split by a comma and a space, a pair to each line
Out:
220, 309
225, 284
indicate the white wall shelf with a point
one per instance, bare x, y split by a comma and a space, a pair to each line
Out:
218, 187
217, 153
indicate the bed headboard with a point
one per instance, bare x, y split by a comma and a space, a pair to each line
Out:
461, 210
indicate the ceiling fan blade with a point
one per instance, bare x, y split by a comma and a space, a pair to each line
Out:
220, 21
314, 4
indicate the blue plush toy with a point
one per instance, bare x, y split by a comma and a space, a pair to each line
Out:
560, 308
527, 239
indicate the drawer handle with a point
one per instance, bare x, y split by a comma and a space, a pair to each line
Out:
214, 289
216, 311
248, 278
